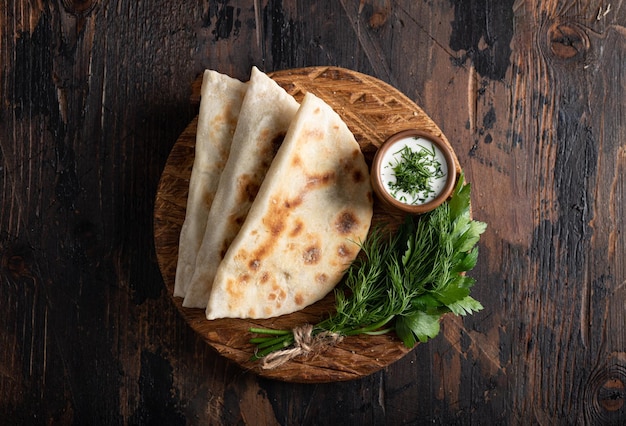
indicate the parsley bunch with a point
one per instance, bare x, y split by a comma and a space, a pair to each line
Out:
404, 283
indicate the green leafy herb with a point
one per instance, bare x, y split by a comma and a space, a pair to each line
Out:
414, 172
406, 282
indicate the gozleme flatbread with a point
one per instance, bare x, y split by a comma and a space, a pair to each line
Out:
265, 115
304, 227
221, 98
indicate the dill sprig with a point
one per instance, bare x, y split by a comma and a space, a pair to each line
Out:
405, 282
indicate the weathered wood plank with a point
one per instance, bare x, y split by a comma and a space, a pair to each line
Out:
93, 96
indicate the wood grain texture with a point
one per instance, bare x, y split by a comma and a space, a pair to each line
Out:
93, 96
373, 110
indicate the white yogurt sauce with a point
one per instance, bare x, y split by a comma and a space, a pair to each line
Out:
393, 156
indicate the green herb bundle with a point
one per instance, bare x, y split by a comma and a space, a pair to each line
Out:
406, 282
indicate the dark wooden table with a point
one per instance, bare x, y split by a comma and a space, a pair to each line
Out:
95, 93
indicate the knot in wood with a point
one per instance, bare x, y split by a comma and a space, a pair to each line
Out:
17, 260
79, 7
567, 40
611, 394
378, 19
607, 394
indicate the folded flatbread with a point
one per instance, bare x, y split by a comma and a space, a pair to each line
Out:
305, 225
264, 117
221, 98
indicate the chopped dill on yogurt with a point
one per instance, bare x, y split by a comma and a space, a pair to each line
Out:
416, 171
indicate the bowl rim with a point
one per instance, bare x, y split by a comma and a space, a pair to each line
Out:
388, 199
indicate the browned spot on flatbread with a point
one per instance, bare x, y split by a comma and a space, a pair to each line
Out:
265, 277
279, 294
293, 203
351, 167
233, 289
275, 221
346, 221
276, 296
357, 176
296, 161
318, 180
321, 278
254, 264
276, 225
299, 299
344, 251
223, 117
226, 116
297, 228
276, 217
311, 135
312, 255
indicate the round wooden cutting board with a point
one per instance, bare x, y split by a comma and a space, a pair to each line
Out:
373, 110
